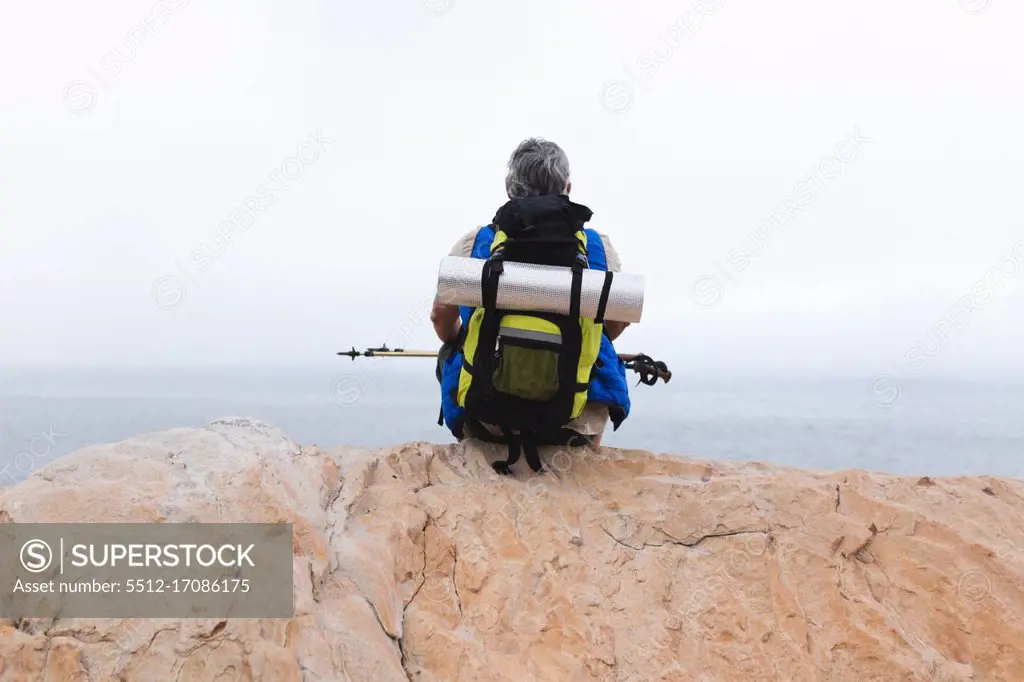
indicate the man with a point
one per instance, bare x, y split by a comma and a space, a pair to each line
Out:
536, 168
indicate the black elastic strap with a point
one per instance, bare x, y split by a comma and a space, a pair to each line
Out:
440, 417
489, 282
513, 446
577, 287
530, 450
601, 304
505, 468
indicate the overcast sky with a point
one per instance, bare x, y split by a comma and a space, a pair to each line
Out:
876, 147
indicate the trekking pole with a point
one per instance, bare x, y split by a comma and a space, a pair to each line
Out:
649, 369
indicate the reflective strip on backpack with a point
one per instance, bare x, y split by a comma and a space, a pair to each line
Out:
530, 335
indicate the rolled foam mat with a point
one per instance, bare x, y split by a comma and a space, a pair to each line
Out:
546, 288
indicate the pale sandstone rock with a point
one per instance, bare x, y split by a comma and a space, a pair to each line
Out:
420, 563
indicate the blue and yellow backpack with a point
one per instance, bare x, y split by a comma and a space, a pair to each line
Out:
529, 372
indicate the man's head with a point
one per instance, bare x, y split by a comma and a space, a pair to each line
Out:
536, 168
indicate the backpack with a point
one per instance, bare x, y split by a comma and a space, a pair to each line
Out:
528, 372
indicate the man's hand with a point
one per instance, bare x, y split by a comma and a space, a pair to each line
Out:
446, 321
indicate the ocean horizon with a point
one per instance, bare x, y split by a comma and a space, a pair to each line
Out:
935, 427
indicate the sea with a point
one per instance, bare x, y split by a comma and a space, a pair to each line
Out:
909, 426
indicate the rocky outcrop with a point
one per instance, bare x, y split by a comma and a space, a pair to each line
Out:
419, 563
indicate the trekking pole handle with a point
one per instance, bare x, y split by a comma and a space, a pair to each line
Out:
665, 375
646, 366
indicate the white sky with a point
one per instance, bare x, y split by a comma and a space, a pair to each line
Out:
425, 101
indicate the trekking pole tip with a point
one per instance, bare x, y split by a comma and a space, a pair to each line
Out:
350, 353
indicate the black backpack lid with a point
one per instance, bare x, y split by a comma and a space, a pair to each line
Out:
552, 209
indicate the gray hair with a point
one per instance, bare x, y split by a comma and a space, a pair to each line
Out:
537, 167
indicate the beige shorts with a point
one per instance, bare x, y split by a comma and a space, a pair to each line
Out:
591, 421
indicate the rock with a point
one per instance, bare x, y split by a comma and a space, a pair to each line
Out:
420, 563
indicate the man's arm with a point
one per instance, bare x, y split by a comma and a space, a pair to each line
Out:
446, 321
614, 329
445, 317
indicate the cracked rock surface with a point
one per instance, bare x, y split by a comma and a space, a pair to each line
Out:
420, 563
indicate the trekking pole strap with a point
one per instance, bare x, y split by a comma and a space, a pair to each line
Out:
648, 369
505, 468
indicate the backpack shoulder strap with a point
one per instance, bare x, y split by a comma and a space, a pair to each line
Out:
484, 239
595, 250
